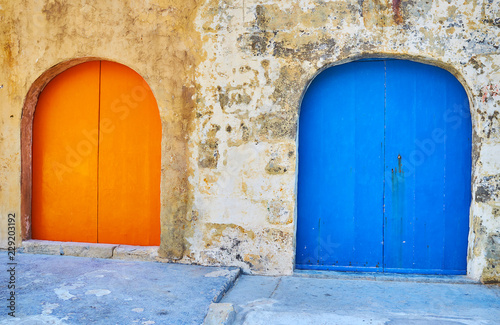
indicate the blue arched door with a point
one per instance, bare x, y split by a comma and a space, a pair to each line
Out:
384, 170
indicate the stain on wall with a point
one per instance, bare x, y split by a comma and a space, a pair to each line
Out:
228, 77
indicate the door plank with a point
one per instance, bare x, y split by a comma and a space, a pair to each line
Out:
129, 159
64, 201
428, 187
340, 193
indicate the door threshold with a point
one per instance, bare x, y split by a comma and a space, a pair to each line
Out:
96, 250
378, 276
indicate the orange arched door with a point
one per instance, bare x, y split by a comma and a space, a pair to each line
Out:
96, 158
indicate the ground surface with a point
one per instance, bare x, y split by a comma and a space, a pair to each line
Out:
78, 290
305, 300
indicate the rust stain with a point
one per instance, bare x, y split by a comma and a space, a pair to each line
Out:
489, 92
396, 8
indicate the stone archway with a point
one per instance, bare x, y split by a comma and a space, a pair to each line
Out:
120, 125
471, 137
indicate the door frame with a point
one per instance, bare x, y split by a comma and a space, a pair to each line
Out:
27, 119
382, 56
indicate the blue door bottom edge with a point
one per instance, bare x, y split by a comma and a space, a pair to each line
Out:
379, 269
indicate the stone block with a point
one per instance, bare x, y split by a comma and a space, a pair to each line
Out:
88, 250
136, 253
220, 314
41, 247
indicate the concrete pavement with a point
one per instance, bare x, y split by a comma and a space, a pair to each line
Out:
362, 299
80, 290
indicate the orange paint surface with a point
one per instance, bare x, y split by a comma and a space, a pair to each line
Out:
64, 200
129, 159
98, 124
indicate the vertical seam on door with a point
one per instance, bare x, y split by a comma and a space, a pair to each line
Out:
384, 169
98, 146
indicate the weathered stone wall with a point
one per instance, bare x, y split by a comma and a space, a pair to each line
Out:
228, 77
158, 40
260, 56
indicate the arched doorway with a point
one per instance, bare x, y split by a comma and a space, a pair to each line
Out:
96, 157
384, 170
